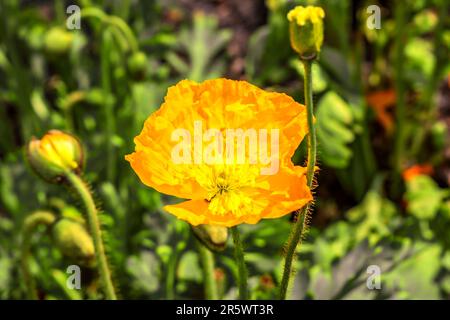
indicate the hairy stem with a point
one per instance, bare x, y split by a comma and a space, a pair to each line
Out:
300, 225
310, 116
242, 269
295, 238
94, 225
207, 261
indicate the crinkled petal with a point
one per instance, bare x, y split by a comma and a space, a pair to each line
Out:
223, 104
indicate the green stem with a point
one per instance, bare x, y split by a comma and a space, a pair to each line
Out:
30, 224
172, 270
60, 11
126, 31
171, 274
173, 261
300, 226
207, 261
114, 21
310, 117
427, 102
94, 224
108, 108
400, 40
242, 269
295, 238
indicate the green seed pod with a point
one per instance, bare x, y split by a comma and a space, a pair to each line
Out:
54, 155
214, 237
57, 41
306, 30
73, 240
137, 64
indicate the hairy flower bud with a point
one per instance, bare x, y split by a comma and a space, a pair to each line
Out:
306, 30
73, 240
55, 154
214, 237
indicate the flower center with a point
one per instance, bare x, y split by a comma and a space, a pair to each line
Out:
225, 186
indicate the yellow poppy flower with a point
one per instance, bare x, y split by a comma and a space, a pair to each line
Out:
208, 142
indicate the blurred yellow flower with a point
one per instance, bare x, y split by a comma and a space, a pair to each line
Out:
186, 149
54, 154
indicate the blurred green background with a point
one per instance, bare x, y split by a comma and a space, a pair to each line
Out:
382, 106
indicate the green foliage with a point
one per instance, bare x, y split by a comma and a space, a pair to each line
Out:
145, 272
201, 44
267, 47
373, 215
335, 122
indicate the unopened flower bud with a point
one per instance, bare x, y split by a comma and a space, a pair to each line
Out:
54, 155
306, 30
214, 237
73, 240
57, 41
137, 64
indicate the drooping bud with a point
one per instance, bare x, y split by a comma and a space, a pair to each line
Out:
306, 30
38, 218
214, 237
55, 154
57, 41
73, 240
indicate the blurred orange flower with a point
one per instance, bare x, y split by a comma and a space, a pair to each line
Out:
416, 170
229, 190
382, 102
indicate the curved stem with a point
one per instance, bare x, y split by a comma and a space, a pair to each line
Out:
31, 222
94, 225
114, 21
300, 226
207, 261
242, 269
126, 31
